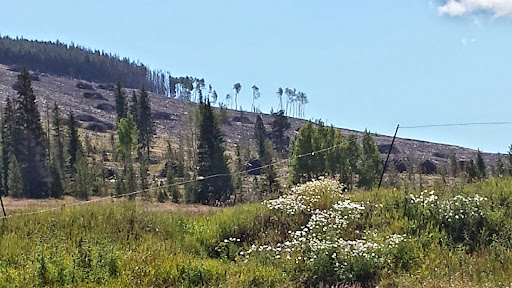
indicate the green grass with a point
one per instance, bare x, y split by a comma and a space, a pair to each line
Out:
122, 245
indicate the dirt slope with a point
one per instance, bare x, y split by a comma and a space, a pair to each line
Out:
95, 109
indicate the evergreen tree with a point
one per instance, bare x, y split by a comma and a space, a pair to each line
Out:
302, 166
82, 177
353, 154
239, 166
120, 98
471, 171
337, 160
89, 148
127, 141
260, 135
144, 183
8, 124
322, 138
500, 167
278, 136
56, 188
480, 166
29, 140
269, 171
58, 138
454, 165
15, 178
172, 189
265, 153
145, 123
371, 166
211, 160
74, 145
134, 108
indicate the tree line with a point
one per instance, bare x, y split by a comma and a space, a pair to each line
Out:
71, 60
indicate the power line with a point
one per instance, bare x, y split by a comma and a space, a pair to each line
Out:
455, 124
200, 178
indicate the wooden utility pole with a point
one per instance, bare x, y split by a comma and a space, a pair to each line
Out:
387, 158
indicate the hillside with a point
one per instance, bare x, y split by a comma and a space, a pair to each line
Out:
93, 103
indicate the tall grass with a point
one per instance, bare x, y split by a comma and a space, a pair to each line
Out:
389, 238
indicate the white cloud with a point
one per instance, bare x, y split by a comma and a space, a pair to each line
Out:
499, 8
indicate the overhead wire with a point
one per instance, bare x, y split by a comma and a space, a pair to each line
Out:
246, 171
456, 124
199, 178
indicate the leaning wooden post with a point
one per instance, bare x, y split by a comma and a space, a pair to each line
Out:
387, 157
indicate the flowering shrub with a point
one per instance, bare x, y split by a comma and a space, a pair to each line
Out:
462, 218
328, 247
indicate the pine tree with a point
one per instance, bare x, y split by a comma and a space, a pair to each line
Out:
127, 141
58, 138
260, 135
29, 140
88, 145
370, 167
337, 160
120, 98
8, 125
353, 154
145, 123
15, 177
134, 108
269, 171
211, 160
144, 183
172, 189
500, 167
278, 136
302, 166
56, 188
480, 166
74, 145
82, 177
454, 165
471, 171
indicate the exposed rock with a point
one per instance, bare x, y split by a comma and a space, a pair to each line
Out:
108, 87
35, 76
428, 167
94, 96
85, 86
242, 119
86, 118
96, 127
253, 167
400, 166
106, 107
160, 115
15, 68
440, 155
384, 149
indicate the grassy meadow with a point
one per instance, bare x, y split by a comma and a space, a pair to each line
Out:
312, 236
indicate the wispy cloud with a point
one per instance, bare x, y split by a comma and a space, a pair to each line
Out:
499, 8
466, 41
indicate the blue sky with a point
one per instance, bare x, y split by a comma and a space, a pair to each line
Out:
363, 64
